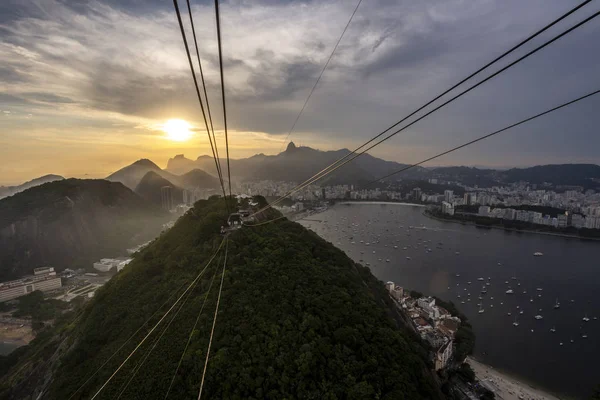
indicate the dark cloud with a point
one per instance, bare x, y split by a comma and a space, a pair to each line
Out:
127, 58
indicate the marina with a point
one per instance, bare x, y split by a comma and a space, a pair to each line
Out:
443, 259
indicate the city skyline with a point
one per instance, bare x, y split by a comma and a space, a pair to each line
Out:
94, 82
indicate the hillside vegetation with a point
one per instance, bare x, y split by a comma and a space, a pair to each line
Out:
297, 319
71, 223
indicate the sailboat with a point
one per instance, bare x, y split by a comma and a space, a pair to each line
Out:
556, 305
586, 319
516, 323
553, 329
481, 310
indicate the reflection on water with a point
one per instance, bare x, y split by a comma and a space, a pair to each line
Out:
491, 270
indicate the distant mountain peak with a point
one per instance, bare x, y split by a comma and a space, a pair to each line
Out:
290, 147
144, 162
179, 157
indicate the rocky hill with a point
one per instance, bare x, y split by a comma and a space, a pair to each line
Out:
150, 188
71, 223
192, 178
297, 319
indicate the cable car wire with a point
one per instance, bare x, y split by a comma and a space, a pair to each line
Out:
333, 167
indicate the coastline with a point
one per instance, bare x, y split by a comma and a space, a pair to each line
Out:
382, 202
563, 235
505, 386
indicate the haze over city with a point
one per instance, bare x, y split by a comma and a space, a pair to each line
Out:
88, 86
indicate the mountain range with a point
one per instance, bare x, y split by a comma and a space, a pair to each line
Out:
71, 223
297, 164
192, 178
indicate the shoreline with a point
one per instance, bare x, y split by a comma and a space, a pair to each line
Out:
562, 235
382, 202
505, 386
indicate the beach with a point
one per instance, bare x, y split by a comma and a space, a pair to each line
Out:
504, 386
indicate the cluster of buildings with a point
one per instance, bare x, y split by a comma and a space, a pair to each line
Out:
43, 279
107, 264
560, 221
433, 323
583, 207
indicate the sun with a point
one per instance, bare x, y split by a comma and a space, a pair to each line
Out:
177, 130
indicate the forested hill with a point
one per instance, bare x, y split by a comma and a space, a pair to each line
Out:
72, 222
297, 319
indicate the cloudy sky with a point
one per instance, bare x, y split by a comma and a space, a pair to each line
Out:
85, 86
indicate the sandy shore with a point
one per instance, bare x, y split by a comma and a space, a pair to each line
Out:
506, 387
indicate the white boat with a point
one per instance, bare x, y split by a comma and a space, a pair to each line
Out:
516, 323
553, 329
584, 336
408, 258
539, 289
479, 279
509, 291
481, 310
585, 319
387, 260
557, 304
538, 317
538, 254
395, 247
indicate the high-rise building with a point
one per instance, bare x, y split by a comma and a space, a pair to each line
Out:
187, 197
448, 195
577, 221
166, 197
416, 194
470, 198
563, 220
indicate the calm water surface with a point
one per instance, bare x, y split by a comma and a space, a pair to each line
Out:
441, 258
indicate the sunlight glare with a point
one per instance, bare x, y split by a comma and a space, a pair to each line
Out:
177, 130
